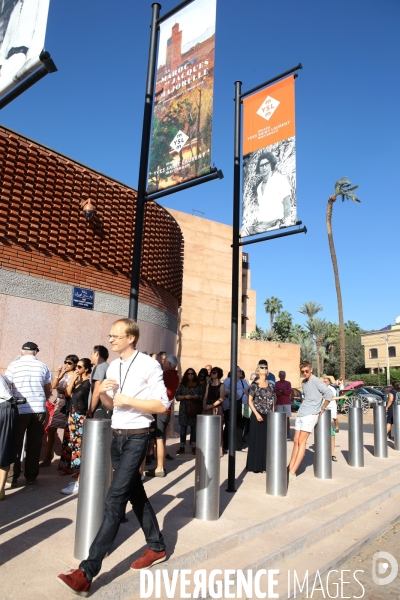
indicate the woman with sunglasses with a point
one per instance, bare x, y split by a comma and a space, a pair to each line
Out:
57, 420
261, 401
189, 397
214, 397
77, 407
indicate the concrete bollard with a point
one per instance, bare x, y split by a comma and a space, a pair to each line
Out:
322, 447
95, 479
277, 479
356, 437
207, 470
380, 434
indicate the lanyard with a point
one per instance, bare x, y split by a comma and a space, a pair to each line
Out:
121, 387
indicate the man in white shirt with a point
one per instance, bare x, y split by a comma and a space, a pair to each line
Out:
29, 378
135, 390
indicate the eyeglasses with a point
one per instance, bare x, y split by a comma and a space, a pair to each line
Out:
116, 337
68, 362
80, 366
304, 371
264, 164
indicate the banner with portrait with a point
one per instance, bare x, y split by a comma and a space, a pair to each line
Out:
269, 159
22, 32
183, 103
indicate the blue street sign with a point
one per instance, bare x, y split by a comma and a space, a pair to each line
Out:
83, 298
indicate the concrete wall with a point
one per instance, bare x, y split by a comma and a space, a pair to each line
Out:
204, 325
59, 330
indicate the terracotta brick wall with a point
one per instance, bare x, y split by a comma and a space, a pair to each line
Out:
44, 233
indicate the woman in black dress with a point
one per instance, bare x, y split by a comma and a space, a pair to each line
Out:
261, 401
214, 397
189, 396
8, 433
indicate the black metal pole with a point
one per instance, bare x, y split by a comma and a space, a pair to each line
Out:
235, 291
48, 67
274, 237
144, 161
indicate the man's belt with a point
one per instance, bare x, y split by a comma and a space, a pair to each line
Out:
130, 431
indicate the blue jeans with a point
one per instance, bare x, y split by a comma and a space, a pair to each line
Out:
192, 434
127, 454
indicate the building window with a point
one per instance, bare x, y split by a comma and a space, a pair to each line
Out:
373, 353
392, 351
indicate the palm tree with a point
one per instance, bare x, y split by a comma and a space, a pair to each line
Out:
272, 306
310, 309
318, 329
342, 188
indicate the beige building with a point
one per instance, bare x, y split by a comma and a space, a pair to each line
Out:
378, 345
204, 326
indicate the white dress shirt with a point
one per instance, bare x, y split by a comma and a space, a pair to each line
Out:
141, 377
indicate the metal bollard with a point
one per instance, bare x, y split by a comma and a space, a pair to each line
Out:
323, 447
380, 435
206, 477
95, 479
356, 437
277, 477
357, 403
396, 424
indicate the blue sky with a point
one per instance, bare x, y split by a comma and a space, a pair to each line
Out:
348, 124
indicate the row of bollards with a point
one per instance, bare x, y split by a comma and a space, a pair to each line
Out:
96, 472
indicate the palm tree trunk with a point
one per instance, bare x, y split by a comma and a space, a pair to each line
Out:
271, 319
342, 341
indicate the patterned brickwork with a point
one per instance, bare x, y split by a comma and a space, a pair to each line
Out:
44, 233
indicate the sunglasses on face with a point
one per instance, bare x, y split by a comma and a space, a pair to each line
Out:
68, 362
305, 371
263, 367
80, 367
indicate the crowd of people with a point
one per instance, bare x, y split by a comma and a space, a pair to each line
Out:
47, 404
136, 392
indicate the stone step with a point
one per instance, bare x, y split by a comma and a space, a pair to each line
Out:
278, 540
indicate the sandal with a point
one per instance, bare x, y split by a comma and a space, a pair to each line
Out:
65, 472
334, 458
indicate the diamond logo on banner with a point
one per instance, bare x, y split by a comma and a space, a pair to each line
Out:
179, 141
268, 107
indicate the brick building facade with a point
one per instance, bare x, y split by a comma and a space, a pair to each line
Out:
48, 246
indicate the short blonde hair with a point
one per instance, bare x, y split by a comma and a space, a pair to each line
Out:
131, 328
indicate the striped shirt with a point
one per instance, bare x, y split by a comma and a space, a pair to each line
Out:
28, 376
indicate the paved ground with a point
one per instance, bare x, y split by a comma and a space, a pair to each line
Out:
390, 542
37, 524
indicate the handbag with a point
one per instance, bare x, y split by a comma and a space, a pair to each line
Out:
50, 408
246, 411
194, 408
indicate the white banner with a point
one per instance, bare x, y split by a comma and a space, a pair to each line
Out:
22, 32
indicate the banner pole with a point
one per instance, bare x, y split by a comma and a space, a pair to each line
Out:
144, 161
235, 291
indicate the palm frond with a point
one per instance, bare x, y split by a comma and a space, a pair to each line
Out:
343, 188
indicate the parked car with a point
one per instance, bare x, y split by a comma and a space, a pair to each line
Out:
374, 391
373, 398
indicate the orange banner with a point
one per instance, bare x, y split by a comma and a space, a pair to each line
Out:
269, 159
269, 116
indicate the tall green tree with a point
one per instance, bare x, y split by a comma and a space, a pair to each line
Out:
310, 309
318, 329
272, 306
342, 188
283, 326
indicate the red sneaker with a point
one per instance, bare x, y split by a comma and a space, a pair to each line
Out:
148, 559
76, 582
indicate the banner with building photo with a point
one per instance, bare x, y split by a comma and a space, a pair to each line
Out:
183, 104
22, 32
269, 159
